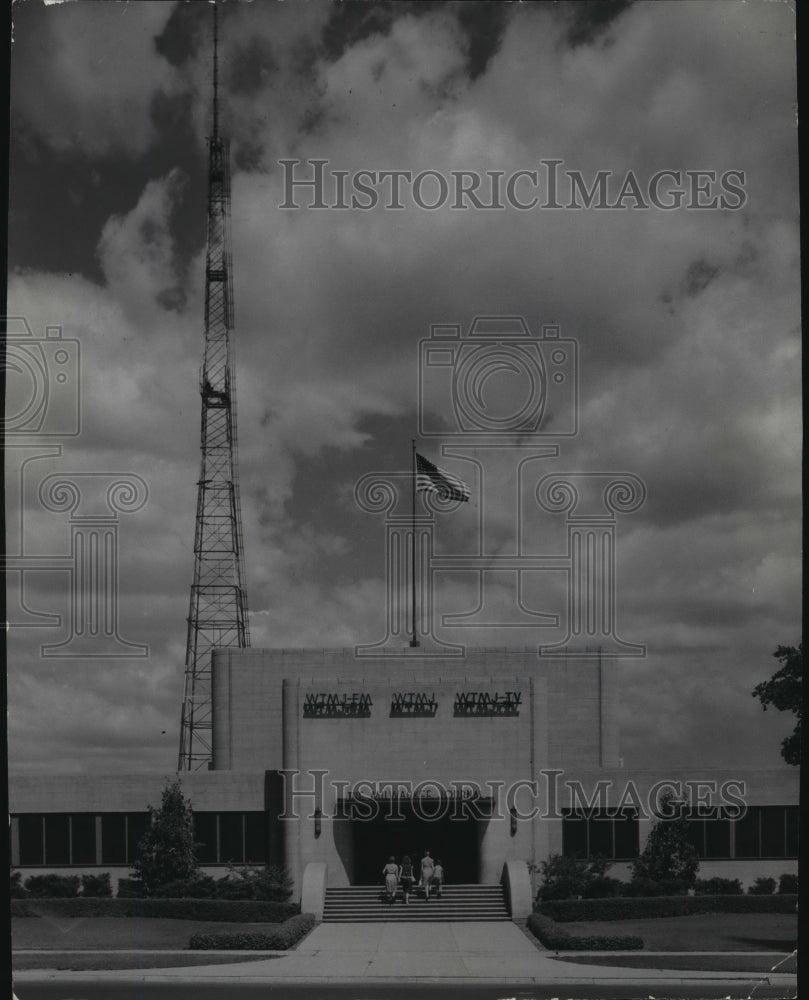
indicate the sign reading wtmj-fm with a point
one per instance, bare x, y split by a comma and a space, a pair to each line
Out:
336, 706
483, 703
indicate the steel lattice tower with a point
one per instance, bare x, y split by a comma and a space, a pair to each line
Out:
218, 610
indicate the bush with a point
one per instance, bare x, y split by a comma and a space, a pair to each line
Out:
220, 910
167, 852
53, 886
718, 887
130, 888
762, 887
199, 887
552, 936
270, 882
603, 887
788, 884
625, 908
16, 890
653, 887
668, 853
95, 886
567, 878
283, 937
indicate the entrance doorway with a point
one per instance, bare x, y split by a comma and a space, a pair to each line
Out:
455, 842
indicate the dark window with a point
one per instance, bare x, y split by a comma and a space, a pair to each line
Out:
255, 836
84, 838
696, 835
205, 836
717, 838
792, 831
31, 839
773, 831
627, 836
113, 839
574, 837
747, 839
599, 831
57, 839
137, 825
231, 846
602, 834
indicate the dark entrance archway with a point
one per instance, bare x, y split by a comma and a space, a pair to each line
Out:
453, 836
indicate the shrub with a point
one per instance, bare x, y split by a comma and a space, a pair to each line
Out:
199, 887
558, 939
167, 852
653, 887
220, 910
270, 882
53, 886
603, 887
788, 884
567, 878
668, 853
625, 908
16, 890
95, 886
130, 888
762, 887
283, 937
718, 887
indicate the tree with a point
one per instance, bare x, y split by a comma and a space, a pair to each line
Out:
668, 854
784, 690
167, 851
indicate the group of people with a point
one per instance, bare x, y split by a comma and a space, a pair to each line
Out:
431, 877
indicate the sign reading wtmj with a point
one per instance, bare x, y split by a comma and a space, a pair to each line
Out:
336, 706
483, 703
413, 703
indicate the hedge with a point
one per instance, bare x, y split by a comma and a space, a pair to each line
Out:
628, 908
556, 938
282, 938
227, 910
53, 886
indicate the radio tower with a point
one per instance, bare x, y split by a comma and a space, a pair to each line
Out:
218, 612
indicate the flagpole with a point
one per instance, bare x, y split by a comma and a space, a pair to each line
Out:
414, 638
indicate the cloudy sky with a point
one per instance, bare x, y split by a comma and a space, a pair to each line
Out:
686, 320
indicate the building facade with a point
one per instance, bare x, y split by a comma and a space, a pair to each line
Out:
485, 758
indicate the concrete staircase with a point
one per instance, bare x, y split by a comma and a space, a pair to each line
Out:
457, 902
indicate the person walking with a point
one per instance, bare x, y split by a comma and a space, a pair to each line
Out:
438, 877
406, 877
391, 873
427, 868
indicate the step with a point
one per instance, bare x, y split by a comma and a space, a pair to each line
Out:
458, 903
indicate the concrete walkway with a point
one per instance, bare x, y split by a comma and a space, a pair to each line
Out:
497, 952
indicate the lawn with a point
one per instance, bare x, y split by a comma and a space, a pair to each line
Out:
102, 934
692, 963
777, 932
108, 961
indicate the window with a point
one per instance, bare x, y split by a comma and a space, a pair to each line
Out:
83, 838
113, 839
602, 833
767, 832
255, 837
32, 843
709, 832
231, 846
205, 836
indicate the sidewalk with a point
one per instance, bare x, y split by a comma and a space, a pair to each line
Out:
496, 953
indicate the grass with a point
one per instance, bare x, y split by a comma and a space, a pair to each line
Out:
693, 963
101, 962
65, 934
776, 932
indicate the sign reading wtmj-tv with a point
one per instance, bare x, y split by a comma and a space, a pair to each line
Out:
326, 705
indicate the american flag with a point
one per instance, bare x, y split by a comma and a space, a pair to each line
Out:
431, 479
